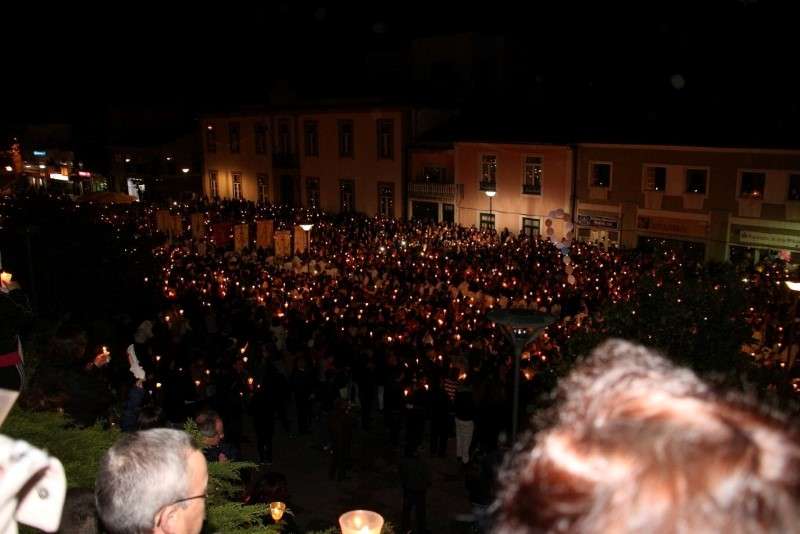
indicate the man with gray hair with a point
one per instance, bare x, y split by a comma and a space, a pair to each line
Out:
152, 482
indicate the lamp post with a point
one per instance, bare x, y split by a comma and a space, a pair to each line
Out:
307, 229
491, 195
521, 327
795, 287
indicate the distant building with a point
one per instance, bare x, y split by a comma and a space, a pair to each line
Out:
161, 170
341, 158
720, 203
494, 185
43, 157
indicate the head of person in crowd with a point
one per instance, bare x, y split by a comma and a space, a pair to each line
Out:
638, 445
151, 417
152, 481
211, 428
79, 515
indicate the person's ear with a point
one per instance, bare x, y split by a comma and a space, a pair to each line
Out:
166, 520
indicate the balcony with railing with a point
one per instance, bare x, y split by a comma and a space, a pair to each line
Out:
435, 190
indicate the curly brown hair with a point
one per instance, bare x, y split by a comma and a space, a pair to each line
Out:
639, 445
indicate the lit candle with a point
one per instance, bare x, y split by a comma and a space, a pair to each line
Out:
361, 522
276, 510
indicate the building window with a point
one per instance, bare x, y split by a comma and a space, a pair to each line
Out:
263, 188
347, 196
601, 175
211, 140
237, 186
436, 175
794, 187
213, 190
386, 200
385, 139
487, 221
752, 185
532, 176
312, 190
530, 226
346, 138
261, 138
696, 181
233, 134
283, 137
488, 172
311, 129
655, 179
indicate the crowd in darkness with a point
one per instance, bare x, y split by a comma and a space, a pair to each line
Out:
379, 324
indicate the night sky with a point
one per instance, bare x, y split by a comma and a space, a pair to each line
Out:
710, 65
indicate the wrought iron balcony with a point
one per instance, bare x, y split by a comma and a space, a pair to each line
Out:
435, 190
488, 186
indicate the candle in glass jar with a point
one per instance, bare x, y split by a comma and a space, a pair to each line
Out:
361, 522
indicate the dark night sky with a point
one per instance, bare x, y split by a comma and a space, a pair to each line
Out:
606, 60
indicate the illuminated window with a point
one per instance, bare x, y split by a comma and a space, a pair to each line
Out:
600, 175
487, 221
436, 175
752, 185
237, 186
696, 180
488, 172
655, 178
532, 176
530, 226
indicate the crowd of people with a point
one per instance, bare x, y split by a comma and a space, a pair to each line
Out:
377, 321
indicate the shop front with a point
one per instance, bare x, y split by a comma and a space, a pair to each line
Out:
688, 232
598, 224
753, 239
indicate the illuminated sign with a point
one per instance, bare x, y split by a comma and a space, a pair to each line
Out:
40, 153
598, 221
85, 174
783, 241
669, 225
59, 176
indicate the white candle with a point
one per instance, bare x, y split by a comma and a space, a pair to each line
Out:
361, 522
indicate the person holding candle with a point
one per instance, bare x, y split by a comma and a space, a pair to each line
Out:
15, 312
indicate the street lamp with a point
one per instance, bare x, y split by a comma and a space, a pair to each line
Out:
795, 287
185, 170
521, 327
491, 195
306, 227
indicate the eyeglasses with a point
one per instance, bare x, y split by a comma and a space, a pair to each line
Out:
203, 496
160, 516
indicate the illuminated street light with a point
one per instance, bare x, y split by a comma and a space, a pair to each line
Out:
185, 170
491, 195
9, 168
